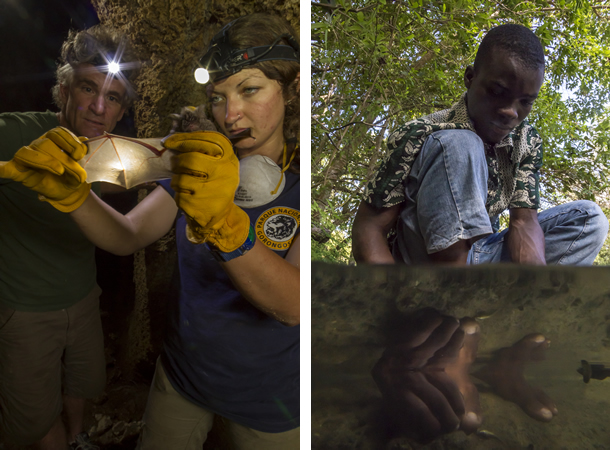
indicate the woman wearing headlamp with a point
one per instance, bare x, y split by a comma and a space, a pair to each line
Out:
232, 344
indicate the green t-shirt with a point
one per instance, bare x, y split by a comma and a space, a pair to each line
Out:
46, 263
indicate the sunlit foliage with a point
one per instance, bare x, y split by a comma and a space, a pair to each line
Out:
377, 64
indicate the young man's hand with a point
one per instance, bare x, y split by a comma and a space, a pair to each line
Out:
421, 396
525, 238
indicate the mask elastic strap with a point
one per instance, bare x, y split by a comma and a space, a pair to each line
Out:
285, 168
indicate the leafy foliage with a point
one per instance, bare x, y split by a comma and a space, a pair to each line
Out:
377, 64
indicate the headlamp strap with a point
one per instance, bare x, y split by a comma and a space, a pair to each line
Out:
255, 54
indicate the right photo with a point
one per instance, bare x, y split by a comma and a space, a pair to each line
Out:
460, 201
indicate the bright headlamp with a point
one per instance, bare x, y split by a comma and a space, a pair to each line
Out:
202, 76
114, 67
222, 60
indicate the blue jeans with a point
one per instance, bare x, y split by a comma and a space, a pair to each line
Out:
573, 235
446, 192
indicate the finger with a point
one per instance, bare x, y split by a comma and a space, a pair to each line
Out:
439, 338
211, 143
8, 170
381, 373
412, 416
472, 335
34, 159
193, 164
450, 351
74, 172
46, 155
449, 389
538, 404
547, 401
68, 142
417, 330
436, 402
38, 180
25, 175
179, 185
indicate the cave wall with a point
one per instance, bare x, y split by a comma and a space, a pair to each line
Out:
170, 36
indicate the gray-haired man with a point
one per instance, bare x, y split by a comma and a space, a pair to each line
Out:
51, 341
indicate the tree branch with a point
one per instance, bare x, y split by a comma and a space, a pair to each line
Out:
335, 7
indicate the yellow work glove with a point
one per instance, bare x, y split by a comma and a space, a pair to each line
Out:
48, 166
206, 178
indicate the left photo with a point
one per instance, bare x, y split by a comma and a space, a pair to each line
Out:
150, 225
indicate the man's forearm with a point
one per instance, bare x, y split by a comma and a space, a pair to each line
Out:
525, 238
369, 234
371, 248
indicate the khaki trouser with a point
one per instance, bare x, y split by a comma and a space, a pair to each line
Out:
173, 422
45, 354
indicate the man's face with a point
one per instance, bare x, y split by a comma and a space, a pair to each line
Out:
500, 95
93, 103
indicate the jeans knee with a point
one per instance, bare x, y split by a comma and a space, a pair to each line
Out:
597, 222
459, 149
466, 140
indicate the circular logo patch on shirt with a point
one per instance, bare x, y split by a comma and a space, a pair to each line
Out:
276, 227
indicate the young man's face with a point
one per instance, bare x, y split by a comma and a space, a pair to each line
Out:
500, 95
93, 103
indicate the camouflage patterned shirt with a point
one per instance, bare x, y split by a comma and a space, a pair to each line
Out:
513, 163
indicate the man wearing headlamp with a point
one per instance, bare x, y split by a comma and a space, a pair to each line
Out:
51, 341
232, 345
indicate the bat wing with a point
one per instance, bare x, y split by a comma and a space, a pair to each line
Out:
126, 161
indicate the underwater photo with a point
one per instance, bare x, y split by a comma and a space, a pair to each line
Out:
523, 351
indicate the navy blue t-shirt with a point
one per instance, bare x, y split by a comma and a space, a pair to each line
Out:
221, 352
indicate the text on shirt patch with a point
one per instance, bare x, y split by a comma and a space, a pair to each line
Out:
277, 227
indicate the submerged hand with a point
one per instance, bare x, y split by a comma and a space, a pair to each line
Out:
48, 166
418, 381
206, 176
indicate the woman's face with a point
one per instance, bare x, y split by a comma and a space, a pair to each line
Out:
249, 99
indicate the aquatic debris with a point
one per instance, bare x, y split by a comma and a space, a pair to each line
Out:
596, 371
486, 434
482, 315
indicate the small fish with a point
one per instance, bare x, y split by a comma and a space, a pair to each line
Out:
485, 434
482, 315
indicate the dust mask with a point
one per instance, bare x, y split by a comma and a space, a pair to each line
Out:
260, 180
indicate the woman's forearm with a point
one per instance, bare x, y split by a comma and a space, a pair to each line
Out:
269, 282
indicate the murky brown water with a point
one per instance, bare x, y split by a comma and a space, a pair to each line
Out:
352, 314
